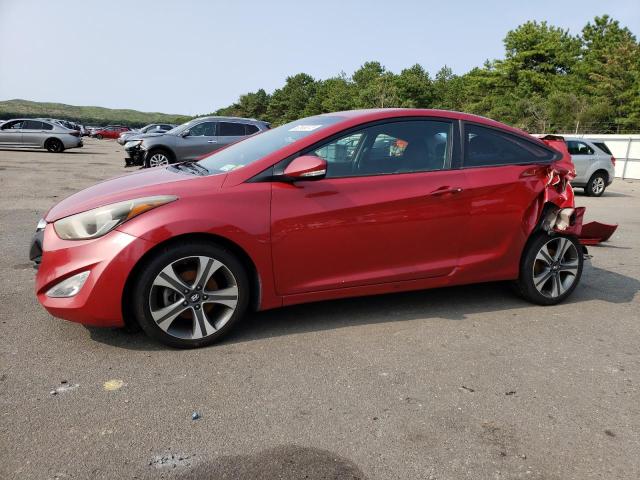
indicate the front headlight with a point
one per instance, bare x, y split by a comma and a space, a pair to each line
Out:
132, 143
100, 221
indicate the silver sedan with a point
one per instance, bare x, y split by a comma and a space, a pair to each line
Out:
31, 133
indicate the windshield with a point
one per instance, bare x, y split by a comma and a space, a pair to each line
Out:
179, 128
258, 146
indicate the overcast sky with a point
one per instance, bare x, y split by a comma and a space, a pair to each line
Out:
193, 57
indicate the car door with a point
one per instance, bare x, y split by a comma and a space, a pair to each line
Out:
11, 133
200, 139
230, 132
582, 156
389, 209
505, 177
32, 132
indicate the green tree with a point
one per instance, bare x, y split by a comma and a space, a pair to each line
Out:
290, 102
414, 88
336, 94
536, 55
548, 80
611, 69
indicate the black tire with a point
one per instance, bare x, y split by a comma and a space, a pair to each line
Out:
99, 137
596, 185
54, 145
532, 267
148, 161
142, 294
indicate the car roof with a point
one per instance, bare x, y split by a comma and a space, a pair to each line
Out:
577, 139
237, 119
374, 114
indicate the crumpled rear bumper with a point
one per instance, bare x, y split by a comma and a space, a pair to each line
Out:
590, 233
595, 232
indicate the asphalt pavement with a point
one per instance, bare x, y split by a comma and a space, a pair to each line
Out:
458, 383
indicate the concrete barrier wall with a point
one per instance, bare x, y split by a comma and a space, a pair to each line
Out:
626, 149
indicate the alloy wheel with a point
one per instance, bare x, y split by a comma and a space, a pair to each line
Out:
55, 146
158, 160
597, 186
193, 297
555, 268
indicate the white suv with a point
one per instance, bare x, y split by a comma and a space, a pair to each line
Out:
595, 165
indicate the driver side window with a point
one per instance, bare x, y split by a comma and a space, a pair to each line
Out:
394, 147
12, 125
204, 129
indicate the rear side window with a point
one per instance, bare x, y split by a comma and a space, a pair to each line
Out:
228, 129
32, 125
486, 147
250, 129
603, 146
46, 126
578, 148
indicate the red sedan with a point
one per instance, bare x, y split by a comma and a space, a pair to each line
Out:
331, 206
112, 131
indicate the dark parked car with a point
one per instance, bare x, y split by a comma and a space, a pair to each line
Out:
190, 140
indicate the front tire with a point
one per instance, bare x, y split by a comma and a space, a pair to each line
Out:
54, 145
596, 185
190, 295
157, 158
550, 269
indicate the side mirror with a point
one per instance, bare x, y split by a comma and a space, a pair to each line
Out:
306, 167
184, 133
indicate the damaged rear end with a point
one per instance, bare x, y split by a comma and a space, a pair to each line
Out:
561, 215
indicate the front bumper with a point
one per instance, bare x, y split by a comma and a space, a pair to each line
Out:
135, 156
109, 260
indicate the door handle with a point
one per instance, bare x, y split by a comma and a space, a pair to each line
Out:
445, 190
212, 141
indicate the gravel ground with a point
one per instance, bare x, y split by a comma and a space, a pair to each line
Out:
457, 383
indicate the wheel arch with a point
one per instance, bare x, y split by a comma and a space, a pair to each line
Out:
49, 139
165, 149
548, 213
237, 250
603, 171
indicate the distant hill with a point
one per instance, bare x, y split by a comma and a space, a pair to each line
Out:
85, 115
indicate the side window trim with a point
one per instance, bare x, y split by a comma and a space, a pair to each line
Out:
215, 128
590, 150
242, 124
463, 140
450, 159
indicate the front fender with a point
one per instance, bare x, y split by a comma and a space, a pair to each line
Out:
240, 215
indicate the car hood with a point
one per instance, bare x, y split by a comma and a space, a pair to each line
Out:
140, 136
147, 182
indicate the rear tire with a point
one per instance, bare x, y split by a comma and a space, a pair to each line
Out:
596, 185
99, 137
54, 145
550, 268
190, 295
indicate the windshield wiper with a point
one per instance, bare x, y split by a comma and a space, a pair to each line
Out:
194, 167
